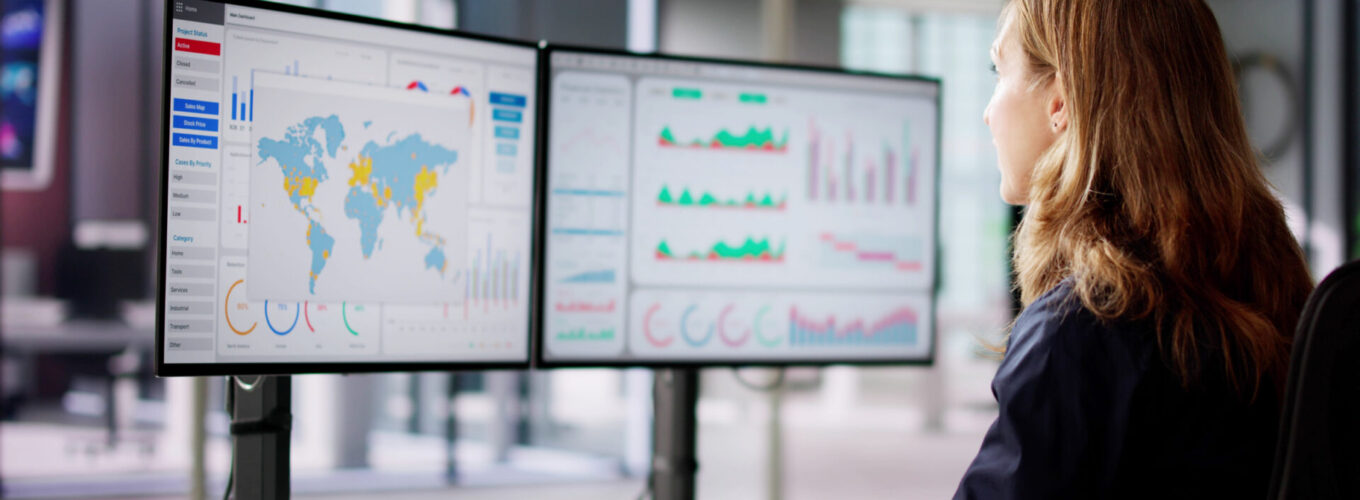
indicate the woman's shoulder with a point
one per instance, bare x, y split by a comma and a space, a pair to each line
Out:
1058, 323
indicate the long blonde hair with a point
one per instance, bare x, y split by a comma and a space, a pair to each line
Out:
1151, 200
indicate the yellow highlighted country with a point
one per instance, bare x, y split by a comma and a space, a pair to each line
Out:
426, 181
363, 169
300, 186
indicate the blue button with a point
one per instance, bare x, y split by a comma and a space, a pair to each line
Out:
515, 100
506, 149
194, 123
507, 133
194, 141
192, 106
506, 115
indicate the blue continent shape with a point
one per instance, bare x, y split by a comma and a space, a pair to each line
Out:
360, 204
299, 153
394, 170
335, 132
299, 157
397, 164
435, 259
321, 245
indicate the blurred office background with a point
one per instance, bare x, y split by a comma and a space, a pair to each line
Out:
82, 415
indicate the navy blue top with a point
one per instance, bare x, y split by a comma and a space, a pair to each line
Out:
1088, 409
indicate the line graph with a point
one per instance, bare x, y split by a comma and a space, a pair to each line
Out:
588, 139
594, 276
585, 335
898, 253
585, 306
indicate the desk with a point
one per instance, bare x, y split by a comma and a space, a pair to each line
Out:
75, 337
22, 344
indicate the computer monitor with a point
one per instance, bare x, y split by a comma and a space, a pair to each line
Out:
31, 37
707, 212
342, 194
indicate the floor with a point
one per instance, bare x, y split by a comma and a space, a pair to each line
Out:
879, 446
876, 456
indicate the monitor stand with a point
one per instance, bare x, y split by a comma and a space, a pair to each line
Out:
675, 395
261, 420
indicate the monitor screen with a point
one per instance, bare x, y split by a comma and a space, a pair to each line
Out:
343, 194
710, 212
30, 76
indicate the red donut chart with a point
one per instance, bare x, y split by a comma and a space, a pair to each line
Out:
647, 328
723, 330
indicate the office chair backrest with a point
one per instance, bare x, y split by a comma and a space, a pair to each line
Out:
1318, 452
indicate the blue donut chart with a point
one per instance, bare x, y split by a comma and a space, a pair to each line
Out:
297, 313
684, 329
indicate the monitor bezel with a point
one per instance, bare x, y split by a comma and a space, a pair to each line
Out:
540, 349
164, 369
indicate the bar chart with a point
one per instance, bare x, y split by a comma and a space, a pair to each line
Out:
842, 169
493, 280
243, 102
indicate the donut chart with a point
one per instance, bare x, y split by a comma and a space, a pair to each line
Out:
684, 329
226, 310
760, 329
724, 329
297, 313
691, 325
648, 325
344, 316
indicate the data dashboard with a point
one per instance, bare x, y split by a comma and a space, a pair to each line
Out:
343, 194
717, 212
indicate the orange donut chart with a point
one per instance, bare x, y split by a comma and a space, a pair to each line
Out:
226, 307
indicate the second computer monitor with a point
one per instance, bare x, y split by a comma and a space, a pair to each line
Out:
711, 212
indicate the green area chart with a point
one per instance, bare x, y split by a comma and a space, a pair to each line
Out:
754, 139
750, 250
705, 199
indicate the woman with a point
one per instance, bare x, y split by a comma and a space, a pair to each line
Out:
1160, 281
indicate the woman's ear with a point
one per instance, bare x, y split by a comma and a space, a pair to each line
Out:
1057, 106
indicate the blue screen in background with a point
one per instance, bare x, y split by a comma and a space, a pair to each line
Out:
21, 23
